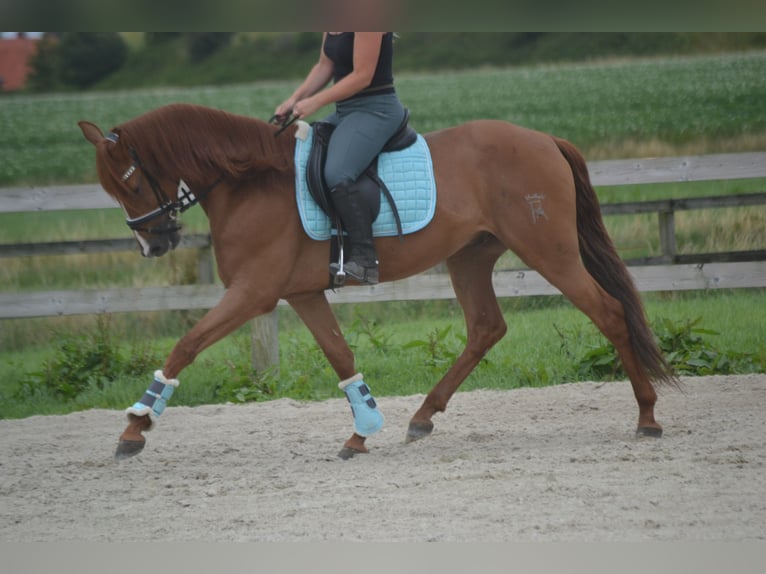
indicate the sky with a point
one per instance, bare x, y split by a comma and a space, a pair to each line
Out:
13, 34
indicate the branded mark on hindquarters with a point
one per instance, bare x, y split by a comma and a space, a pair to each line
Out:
535, 203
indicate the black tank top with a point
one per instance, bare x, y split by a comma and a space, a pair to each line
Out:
340, 49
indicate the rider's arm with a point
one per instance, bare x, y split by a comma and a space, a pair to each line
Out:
317, 78
366, 53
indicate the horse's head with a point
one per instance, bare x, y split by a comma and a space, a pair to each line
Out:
151, 211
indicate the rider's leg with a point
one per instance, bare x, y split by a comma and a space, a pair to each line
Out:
362, 128
361, 260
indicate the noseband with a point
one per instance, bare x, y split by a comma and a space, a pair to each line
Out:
165, 206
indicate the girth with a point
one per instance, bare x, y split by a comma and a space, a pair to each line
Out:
369, 183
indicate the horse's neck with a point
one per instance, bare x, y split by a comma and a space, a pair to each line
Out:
248, 223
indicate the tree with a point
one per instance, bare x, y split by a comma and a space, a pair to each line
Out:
204, 44
156, 38
87, 57
44, 65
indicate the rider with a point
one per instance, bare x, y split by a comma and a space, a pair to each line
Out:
367, 113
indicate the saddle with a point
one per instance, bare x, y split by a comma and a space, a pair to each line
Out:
369, 184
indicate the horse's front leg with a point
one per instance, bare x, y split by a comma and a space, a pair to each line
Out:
235, 308
316, 313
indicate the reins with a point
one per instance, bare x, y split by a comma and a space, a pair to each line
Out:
286, 122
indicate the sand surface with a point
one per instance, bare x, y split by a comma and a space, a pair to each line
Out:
552, 464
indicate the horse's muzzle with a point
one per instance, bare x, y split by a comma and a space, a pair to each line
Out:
161, 244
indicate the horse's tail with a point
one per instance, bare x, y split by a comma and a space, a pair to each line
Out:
604, 264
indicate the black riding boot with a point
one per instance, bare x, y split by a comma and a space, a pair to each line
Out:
361, 259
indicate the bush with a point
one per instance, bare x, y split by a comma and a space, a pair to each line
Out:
202, 45
685, 350
44, 66
87, 361
156, 38
84, 58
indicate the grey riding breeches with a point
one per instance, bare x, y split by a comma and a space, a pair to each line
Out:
363, 126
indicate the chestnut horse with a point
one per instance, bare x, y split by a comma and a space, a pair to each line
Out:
485, 171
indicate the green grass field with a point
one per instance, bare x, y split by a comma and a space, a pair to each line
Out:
608, 109
402, 348
616, 109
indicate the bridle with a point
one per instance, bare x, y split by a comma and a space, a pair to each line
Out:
165, 206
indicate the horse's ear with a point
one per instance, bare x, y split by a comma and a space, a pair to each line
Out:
91, 132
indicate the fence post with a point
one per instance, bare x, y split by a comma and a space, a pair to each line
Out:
265, 342
667, 223
205, 264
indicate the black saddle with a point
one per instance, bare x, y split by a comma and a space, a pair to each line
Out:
369, 183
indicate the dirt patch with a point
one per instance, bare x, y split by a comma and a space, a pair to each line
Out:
558, 463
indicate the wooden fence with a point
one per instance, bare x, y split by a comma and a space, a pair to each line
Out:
668, 271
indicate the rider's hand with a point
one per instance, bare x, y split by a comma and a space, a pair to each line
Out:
284, 110
306, 107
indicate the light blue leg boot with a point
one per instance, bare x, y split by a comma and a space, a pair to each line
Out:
155, 398
367, 417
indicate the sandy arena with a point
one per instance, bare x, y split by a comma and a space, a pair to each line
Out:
553, 464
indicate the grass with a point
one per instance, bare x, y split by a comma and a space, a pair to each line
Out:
668, 106
610, 109
546, 339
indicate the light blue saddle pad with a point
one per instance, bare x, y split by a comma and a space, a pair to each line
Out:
408, 174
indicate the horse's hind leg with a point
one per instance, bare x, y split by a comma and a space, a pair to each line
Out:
471, 273
607, 313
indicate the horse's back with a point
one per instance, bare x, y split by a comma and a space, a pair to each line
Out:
492, 152
486, 142
510, 181
487, 130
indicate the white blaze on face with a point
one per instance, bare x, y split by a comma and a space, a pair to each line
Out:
145, 248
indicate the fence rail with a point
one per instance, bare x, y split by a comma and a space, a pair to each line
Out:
607, 172
669, 271
520, 283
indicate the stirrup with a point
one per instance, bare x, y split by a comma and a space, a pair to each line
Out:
367, 417
365, 275
336, 269
338, 275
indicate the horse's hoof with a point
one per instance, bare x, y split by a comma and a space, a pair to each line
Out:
653, 432
416, 431
128, 448
347, 453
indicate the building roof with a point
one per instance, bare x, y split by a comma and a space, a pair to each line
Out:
15, 54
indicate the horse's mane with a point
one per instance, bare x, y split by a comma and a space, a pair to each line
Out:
198, 143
